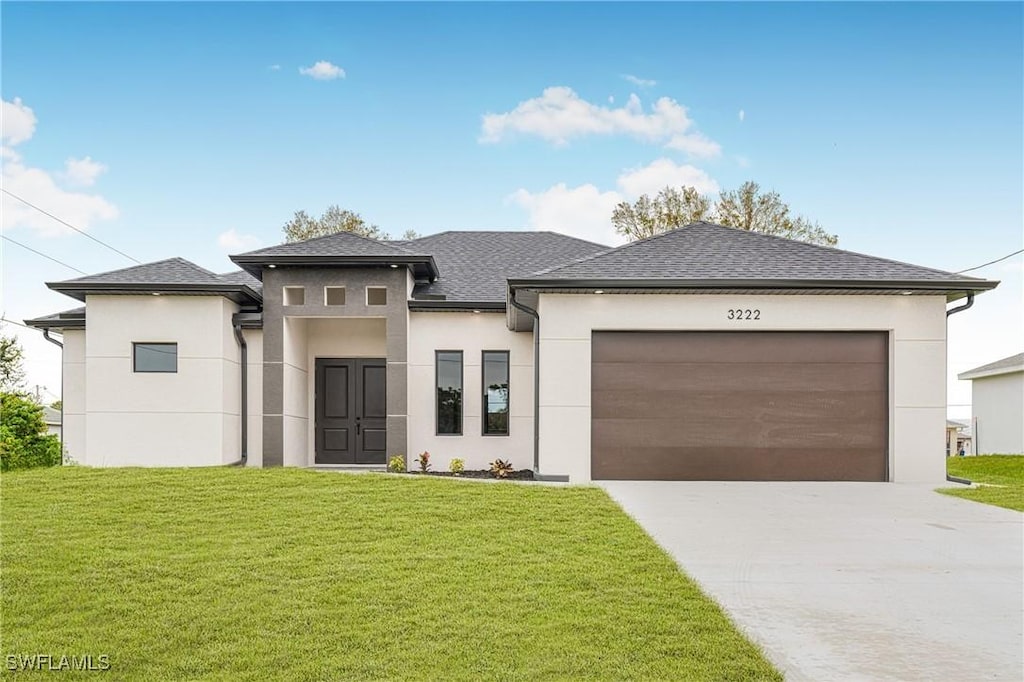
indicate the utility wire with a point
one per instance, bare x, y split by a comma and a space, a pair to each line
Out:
40, 253
991, 262
4, 320
67, 224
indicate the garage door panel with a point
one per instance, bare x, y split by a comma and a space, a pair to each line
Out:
723, 430
740, 405
792, 347
740, 464
691, 376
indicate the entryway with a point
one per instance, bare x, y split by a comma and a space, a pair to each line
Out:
351, 411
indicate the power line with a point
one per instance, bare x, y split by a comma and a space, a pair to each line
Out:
991, 262
67, 224
40, 253
4, 320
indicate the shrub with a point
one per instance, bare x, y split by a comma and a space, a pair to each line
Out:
456, 466
423, 459
24, 442
396, 464
501, 468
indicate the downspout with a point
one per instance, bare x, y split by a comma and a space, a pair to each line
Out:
244, 386
953, 311
46, 335
536, 378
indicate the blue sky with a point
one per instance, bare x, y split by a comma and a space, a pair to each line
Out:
188, 129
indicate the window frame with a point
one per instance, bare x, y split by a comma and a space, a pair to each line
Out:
483, 398
344, 295
135, 361
377, 288
462, 398
286, 298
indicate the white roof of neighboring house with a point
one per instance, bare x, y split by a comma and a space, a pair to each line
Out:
1014, 363
51, 416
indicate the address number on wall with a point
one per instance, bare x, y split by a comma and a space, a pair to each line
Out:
744, 314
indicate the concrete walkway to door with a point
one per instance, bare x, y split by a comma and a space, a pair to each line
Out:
850, 581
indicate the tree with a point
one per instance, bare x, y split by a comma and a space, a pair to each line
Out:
747, 208
12, 375
24, 442
335, 219
409, 235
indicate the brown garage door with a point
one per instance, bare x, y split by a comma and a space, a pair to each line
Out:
740, 406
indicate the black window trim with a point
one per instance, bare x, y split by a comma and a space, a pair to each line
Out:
135, 368
462, 382
483, 398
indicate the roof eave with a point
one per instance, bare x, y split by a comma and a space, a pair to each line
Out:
416, 305
729, 283
254, 264
985, 374
240, 293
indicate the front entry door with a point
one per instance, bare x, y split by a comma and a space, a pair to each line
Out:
351, 412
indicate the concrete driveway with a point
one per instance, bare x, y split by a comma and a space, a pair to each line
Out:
851, 581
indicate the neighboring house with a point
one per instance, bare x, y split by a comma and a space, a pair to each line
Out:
958, 437
997, 406
702, 353
52, 419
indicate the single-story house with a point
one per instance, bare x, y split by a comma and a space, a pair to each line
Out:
958, 438
997, 406
52, 417
705, 353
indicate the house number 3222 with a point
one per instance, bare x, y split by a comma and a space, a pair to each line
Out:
744, 314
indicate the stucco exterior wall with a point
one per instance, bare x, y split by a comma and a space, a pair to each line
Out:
73, 395
917, 326
997, 405
186, 418
254, 343
472, 334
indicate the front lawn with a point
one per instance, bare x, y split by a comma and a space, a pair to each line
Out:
300, 575
1001, 478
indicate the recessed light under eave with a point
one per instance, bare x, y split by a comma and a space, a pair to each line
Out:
598, 291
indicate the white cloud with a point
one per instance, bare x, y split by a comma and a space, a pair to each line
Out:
696, 145
663, 173
559, 115
639, 82
274, 67
743, 116
83, 172
234, 241
18, 122
41, 188
323, 71
585, 211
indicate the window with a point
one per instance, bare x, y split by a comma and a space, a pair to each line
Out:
376, 296
449, 392
154, 357
495, 379
334, 295
294, 295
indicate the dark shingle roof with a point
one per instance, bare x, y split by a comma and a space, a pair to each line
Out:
474, 266
703, 251
173, 275
338, 244
1014, 363
242, 277
66, 318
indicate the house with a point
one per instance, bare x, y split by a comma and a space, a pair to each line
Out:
997, 405
958, 438
52, 418
703, 353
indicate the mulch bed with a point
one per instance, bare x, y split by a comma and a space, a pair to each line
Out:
520, 475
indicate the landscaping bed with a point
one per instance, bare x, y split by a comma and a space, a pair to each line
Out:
518, 475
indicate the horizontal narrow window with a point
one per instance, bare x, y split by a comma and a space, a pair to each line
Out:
495, 375
449, 392
334, 295
154, 357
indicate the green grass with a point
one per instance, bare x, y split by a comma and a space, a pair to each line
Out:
1001, 478
241, 574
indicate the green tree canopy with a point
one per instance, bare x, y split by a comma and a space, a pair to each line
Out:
335, 219
12, 374
747, 208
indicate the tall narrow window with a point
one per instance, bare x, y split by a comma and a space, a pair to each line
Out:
495, 375
449, 392
155, 357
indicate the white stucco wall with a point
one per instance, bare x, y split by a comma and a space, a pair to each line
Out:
997, 404
187, 418
296, 403
917, 326
73, 395
472, 334
254, 343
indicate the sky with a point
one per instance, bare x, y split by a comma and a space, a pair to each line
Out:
197, 130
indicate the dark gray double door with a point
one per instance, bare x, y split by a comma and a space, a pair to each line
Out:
351, 411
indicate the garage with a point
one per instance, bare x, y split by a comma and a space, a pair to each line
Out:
739, 406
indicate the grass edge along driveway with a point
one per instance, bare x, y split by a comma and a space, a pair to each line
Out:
1000, 479
293, 574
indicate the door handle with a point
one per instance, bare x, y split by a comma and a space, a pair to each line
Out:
359, 426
